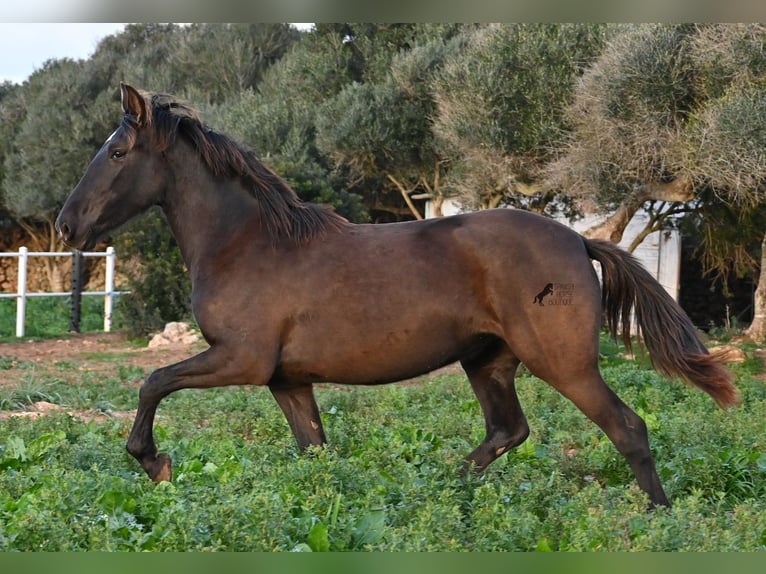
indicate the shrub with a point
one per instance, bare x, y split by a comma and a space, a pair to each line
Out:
159, 286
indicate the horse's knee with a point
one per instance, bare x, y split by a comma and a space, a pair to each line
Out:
153, 388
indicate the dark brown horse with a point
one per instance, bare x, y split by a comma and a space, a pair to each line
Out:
289, 294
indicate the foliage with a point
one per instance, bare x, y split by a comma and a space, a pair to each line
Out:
279, 119
727, 142
628, 115
500, 100
313, 184
219, 60
160, 290
12, 113
727, 239
379, 129
389, 480
50, 141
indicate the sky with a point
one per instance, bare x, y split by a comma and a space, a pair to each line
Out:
24, 48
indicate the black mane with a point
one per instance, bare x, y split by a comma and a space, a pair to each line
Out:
285, 215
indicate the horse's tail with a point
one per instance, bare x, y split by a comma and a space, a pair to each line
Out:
668, 333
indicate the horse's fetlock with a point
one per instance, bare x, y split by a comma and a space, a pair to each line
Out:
140, 451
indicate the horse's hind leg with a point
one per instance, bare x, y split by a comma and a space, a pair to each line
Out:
623, 427
492, 379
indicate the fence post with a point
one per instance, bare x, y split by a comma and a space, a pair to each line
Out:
21, 292
109, 289
76, 307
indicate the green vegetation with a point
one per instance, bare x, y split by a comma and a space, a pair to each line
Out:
389, 479
49, 317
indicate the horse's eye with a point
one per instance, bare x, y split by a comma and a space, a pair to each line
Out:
118, 154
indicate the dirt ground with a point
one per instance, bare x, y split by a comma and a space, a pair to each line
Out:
93, 353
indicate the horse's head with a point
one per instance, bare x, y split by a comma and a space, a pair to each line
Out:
121, 181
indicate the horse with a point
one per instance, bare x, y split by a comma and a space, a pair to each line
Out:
288, 293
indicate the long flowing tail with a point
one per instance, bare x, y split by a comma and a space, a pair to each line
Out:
668, 333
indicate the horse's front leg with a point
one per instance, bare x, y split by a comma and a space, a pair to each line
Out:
213, 367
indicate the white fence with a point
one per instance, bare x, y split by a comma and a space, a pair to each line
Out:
22, 294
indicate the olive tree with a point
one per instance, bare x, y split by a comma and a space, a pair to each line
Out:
500, 102
725, 151
381, 130
50, 149
629, 116
672, 118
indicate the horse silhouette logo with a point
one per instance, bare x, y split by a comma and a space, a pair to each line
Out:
547, 290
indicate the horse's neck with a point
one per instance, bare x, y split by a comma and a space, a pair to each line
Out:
205, 216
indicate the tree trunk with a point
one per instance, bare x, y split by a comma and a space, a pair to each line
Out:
678, 190
757, 329
614, 226
437, 202
492, 201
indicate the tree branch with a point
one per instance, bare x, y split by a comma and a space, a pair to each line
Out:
680, 189
406, 195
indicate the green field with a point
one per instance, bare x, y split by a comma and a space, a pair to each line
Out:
389, 479
50, 317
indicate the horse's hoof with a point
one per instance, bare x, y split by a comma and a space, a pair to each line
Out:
162, 469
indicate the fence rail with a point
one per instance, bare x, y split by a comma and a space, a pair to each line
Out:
22, 294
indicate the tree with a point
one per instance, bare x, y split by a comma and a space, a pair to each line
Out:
141, 54
50, 149
500, 99
12, 114
218, 61
726, 143
674, 116
278, 119
380, 129
628, 118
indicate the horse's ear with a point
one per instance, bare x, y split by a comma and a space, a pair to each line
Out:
133, 103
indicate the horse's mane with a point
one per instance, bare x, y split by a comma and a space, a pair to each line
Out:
284, 214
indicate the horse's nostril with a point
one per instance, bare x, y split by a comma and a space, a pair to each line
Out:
64, 230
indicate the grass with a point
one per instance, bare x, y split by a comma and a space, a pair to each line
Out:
389, 479
49, 317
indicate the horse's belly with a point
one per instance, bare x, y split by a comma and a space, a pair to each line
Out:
375, 358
